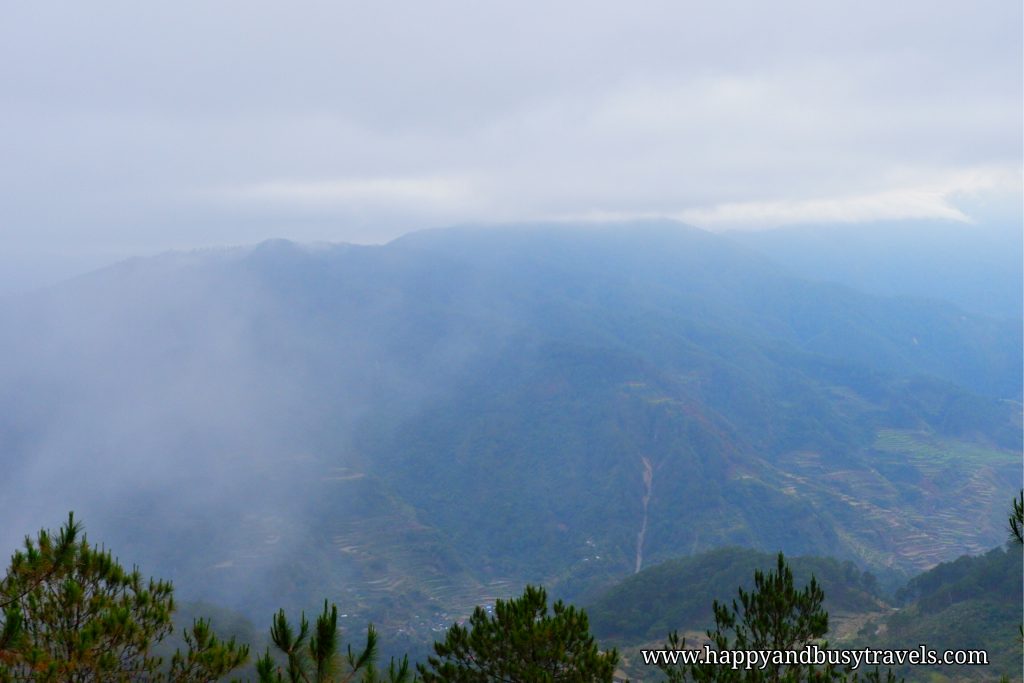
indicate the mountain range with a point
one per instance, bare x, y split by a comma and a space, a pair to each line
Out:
416, 428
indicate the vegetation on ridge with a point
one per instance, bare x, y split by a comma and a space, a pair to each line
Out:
72, 613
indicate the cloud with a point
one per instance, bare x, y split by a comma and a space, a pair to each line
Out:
351, 122
943, 199
895, 205
422, 193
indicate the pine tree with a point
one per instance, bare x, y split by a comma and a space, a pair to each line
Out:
48, 557
207, 658
774, 616
521, 642
315, 656
1017, 519
73, 613
1016, 534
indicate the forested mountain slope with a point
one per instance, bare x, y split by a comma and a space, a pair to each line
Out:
971, 603
417, 428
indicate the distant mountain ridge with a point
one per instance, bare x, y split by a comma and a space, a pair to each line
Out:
416, 428
976, 267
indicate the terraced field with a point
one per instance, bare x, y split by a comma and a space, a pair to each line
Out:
931, 498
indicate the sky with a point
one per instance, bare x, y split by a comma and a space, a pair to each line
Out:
131, 128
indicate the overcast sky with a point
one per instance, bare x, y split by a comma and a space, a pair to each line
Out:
128, 128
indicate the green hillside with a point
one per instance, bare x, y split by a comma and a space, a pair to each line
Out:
414, 429
678, 594
974, 602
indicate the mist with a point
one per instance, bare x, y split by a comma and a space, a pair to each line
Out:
343, 123
405, 309
200, 400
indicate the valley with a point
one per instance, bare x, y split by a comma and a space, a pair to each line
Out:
415, 429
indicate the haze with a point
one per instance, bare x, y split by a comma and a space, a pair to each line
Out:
128, 129
406, 305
